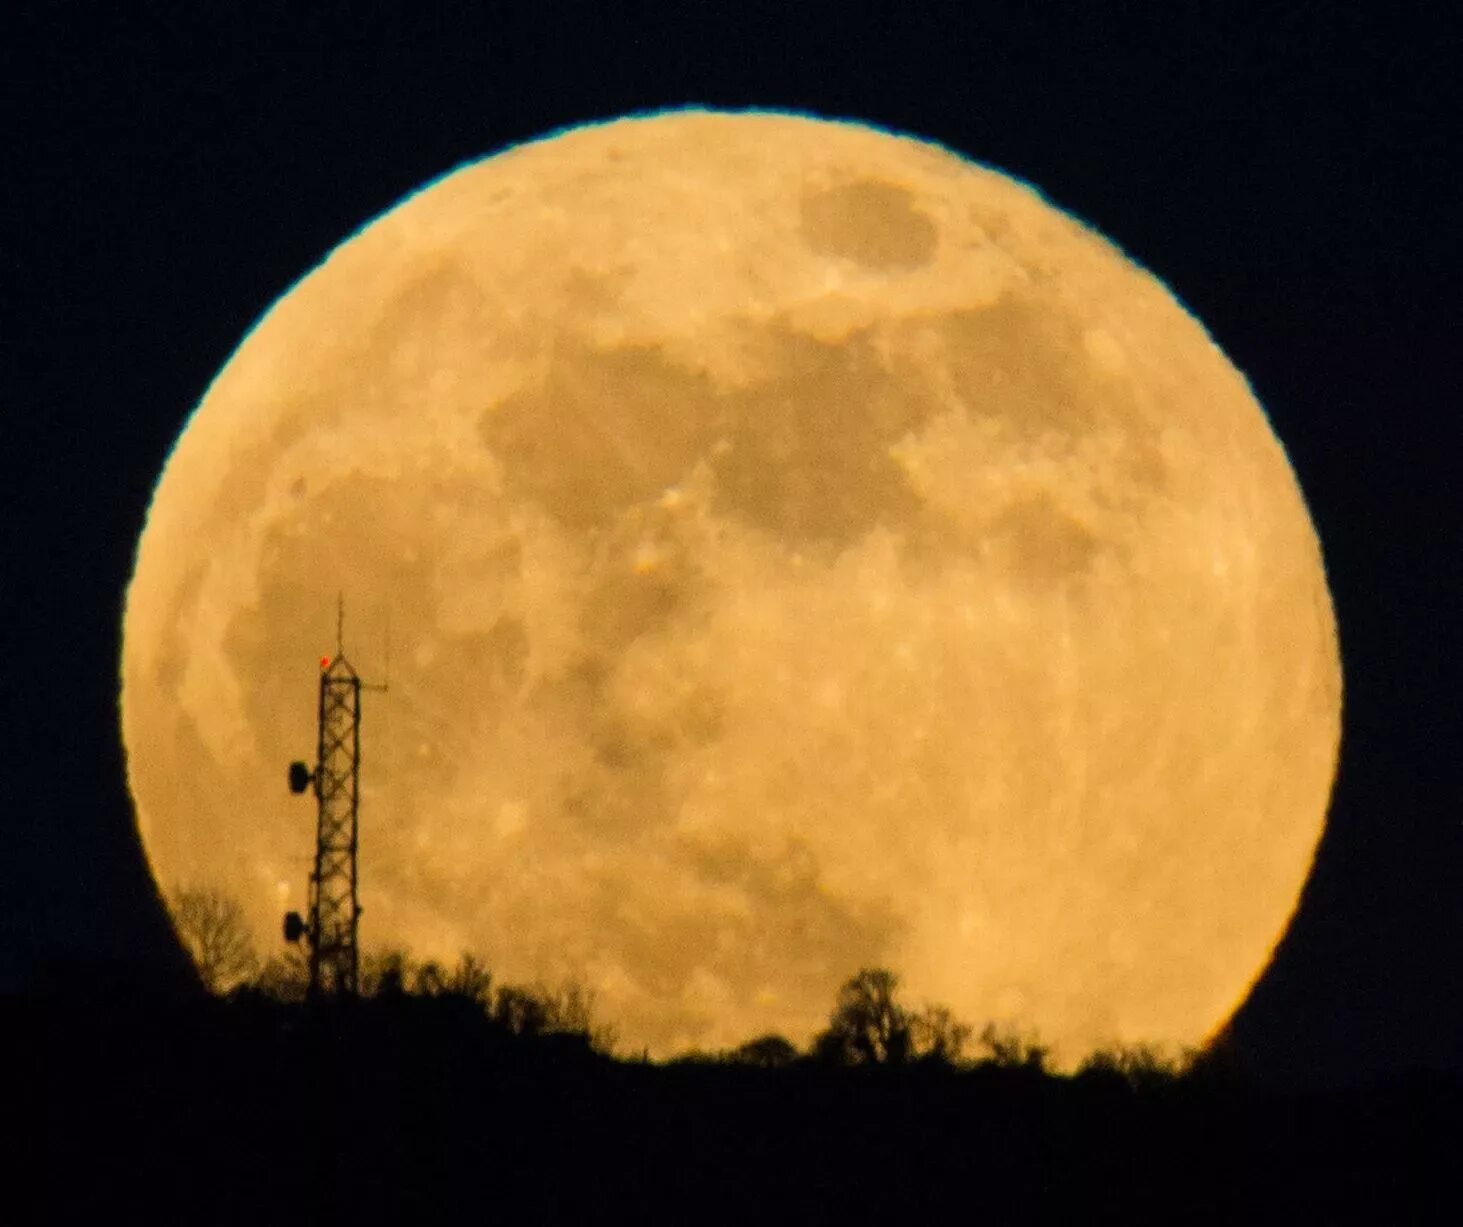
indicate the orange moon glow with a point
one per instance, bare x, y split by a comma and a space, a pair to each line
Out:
802, 549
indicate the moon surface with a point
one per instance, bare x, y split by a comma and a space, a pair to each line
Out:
794, 548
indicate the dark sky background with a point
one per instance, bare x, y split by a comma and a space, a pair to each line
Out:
1291, 176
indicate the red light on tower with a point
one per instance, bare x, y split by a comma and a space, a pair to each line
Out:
325, 662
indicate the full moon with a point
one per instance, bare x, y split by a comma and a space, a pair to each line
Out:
793, 548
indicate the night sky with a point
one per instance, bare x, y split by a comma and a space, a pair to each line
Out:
1291, 178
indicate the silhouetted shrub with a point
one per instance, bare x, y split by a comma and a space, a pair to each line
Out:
1140, 1066
695, 1057
766, 1052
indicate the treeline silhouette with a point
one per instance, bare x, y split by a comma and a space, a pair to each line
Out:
869, 1025
441, 1093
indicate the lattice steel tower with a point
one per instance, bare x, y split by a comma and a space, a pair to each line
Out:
335, 911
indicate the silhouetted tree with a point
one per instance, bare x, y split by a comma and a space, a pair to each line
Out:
867, 1027
384, 973
520, 1010
212, 926
429, 979
766, 1052
937, 1035
387, 972
471, 979
870, 1027
285, 977
538, 1010
571, 1009
1009, 1049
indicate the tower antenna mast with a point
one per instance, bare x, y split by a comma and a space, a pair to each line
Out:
330, 929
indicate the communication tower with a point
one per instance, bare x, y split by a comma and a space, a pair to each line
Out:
334, 911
